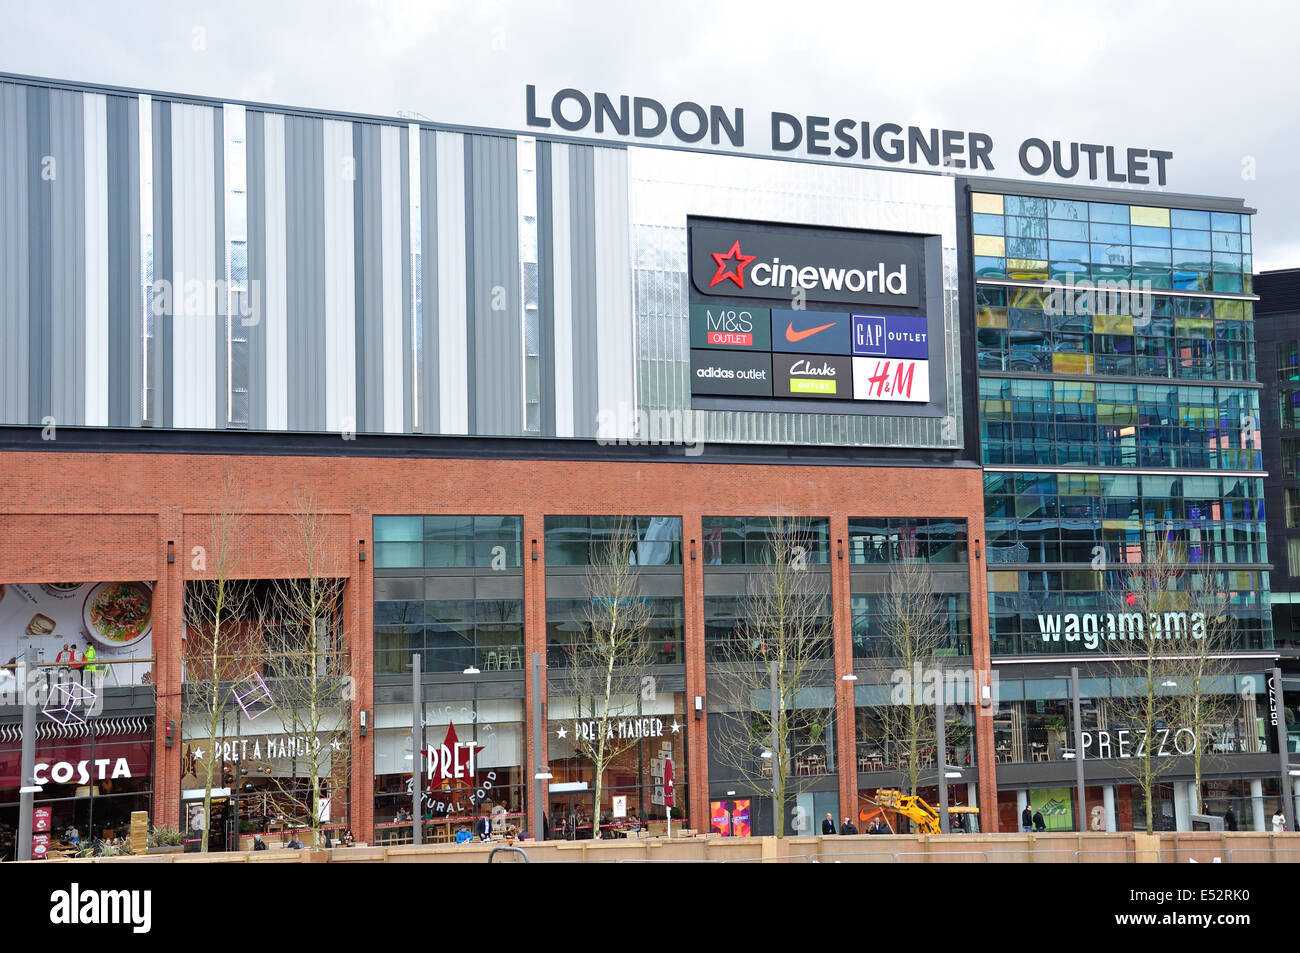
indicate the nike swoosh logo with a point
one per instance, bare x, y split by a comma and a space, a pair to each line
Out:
794, 336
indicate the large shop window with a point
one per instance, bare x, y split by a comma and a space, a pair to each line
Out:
92, 777
581, 540
267, 773
473, 766
648, 736
449, 588
904, 539
740, 540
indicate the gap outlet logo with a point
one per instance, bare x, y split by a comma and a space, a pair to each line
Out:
890, 336
826, 265
813, 375
731, 326
810, 332
731, 373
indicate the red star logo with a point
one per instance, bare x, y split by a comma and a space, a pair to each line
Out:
452, 764
733, 255
1132, 599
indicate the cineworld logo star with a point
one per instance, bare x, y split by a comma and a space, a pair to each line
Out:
1092, 628
774, 274
738, 258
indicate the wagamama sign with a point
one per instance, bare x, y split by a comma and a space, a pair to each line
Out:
1094, 628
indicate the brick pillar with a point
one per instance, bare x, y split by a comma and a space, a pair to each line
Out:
358, 622
534, 641
697, 732
167, 650
846, 754
982, 655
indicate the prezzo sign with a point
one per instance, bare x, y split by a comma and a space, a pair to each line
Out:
1094, 628
1126, 743
868, 268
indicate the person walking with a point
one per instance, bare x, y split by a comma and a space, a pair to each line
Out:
1229, 820
1027, 818
847, 827
1279, 821
1039, 823
828, 825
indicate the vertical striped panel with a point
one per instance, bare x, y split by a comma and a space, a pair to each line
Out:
14, 295
453, 360
562, 289
160, 346
494, 306
615, 332
39, 229
95, 139
67, 252
275, 271
430, 374
582, 231
410, 394
305, 355
340, 169
368, 288
220, 331
255, 210
393, 299
122, 234
545, 291
194, 251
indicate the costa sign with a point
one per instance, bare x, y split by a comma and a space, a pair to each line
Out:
65, 772
788, 262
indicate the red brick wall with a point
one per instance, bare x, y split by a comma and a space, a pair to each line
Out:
92, 517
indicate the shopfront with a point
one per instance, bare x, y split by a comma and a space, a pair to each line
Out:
92, 775
472, 766
644, 780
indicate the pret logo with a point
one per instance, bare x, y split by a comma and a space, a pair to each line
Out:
731, 265
772, 261
456, 781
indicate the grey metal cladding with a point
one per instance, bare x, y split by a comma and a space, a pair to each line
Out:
133, 413
220, 350
123, 257
368, 287
545, 289
582, 223
255, 144
39, 230
492, 274
160, 351
67, 251
304, 149
15, 310
429, 385
408, 297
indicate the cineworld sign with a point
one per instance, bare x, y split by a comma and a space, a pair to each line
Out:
789, 263
1094, 628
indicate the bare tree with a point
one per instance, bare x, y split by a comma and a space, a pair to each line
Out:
1146, 666
221, 647
607, 663
761, 684
915, 630
1201, 664
310, 661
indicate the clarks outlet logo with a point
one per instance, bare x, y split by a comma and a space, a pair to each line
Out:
784, 263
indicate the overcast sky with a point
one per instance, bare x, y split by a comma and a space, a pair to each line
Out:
1216, 84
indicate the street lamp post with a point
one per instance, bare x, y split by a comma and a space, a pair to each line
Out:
541, 773
942, 755
29, 786
1078, 747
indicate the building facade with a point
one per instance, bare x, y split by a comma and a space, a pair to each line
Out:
467, 359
